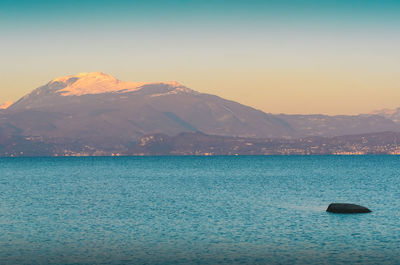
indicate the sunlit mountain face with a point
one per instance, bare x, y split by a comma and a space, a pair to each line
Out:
96, 83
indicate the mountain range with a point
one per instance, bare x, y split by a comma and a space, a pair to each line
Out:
100, 112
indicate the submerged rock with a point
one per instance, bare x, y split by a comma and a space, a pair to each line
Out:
347, 208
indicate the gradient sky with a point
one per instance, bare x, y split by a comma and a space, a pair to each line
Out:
331, 57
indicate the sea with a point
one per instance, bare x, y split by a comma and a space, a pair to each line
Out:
199, 210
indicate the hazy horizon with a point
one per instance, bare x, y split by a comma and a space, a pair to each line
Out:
335, 57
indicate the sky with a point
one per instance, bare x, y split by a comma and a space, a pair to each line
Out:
328, 57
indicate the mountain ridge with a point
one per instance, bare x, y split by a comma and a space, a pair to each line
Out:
100, 111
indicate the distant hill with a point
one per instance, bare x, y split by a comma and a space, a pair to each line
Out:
196, 143
201, 144
98, 112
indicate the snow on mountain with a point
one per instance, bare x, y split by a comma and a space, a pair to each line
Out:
98, 83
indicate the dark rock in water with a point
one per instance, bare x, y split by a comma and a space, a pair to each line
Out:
347, 208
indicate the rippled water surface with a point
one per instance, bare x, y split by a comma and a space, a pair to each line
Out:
199, 210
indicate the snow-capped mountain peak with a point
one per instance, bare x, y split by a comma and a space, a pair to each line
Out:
99, 83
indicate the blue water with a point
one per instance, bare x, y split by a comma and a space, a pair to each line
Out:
199, 210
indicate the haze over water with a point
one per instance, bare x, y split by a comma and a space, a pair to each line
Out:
191, 210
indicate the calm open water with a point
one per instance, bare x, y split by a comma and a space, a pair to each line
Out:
199, 210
